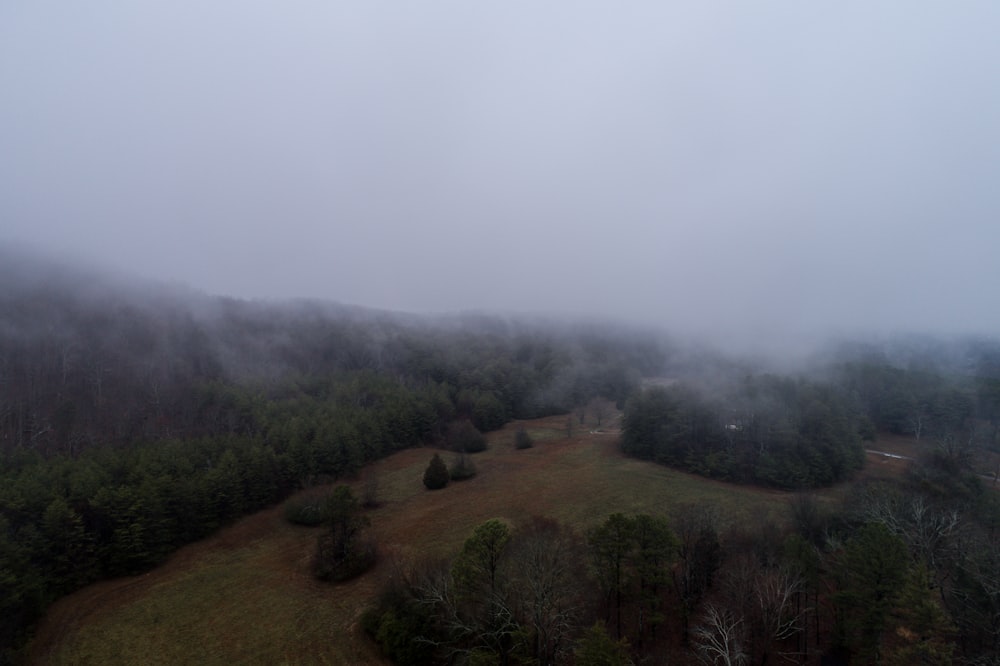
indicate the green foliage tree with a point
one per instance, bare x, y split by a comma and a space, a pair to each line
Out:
464, 437
343, 552
770, 431
436, 476
611, 545
488, 412
597, 648
699, 554
922, 625
481, 590
478, 564
402, 626
68, 556
655, 549
871, 573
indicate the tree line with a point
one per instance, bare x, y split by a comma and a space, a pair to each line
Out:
775, 431
803, 432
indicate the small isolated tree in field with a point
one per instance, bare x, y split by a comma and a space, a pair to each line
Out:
436, 476
462, 468
522, 440
343, 552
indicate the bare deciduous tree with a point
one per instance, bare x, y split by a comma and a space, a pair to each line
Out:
545, 588
718, 638
926, 529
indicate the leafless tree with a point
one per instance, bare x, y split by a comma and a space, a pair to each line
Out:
698, 556
767, 598
546, 587
926, 529
777, 615
718, 638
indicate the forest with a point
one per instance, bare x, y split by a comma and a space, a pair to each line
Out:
138, 418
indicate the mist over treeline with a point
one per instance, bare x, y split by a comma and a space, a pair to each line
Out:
86, 358
90, 357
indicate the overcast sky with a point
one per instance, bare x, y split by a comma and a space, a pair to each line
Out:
762, 167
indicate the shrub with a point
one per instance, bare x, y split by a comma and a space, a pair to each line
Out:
464, 437
436, 476
398, 623
338, 561
311, 511
462, 468
522, 440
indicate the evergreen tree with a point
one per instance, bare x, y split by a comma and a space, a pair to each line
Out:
436, 476
597, 648
611, 547
872, 571
343, 552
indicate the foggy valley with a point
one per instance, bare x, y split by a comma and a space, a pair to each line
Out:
522, 334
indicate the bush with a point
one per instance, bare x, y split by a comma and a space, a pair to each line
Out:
311, 511
436, 476
336, 561
462, 468
522, 440
397, 623
464, 437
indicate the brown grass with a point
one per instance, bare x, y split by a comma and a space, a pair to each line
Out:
246, 594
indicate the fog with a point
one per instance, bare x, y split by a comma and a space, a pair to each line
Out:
761, 171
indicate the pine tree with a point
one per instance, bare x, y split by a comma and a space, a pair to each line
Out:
437, 475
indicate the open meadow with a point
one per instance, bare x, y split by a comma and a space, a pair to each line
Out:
246, 594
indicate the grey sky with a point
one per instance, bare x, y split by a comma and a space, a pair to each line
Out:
765, 167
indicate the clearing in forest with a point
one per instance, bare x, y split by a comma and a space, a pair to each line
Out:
246, 595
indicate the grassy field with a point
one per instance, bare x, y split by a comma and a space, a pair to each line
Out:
246, 594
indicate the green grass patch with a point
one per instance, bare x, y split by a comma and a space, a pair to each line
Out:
247, 595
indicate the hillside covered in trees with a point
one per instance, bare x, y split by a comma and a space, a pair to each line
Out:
810, 431
137, 418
